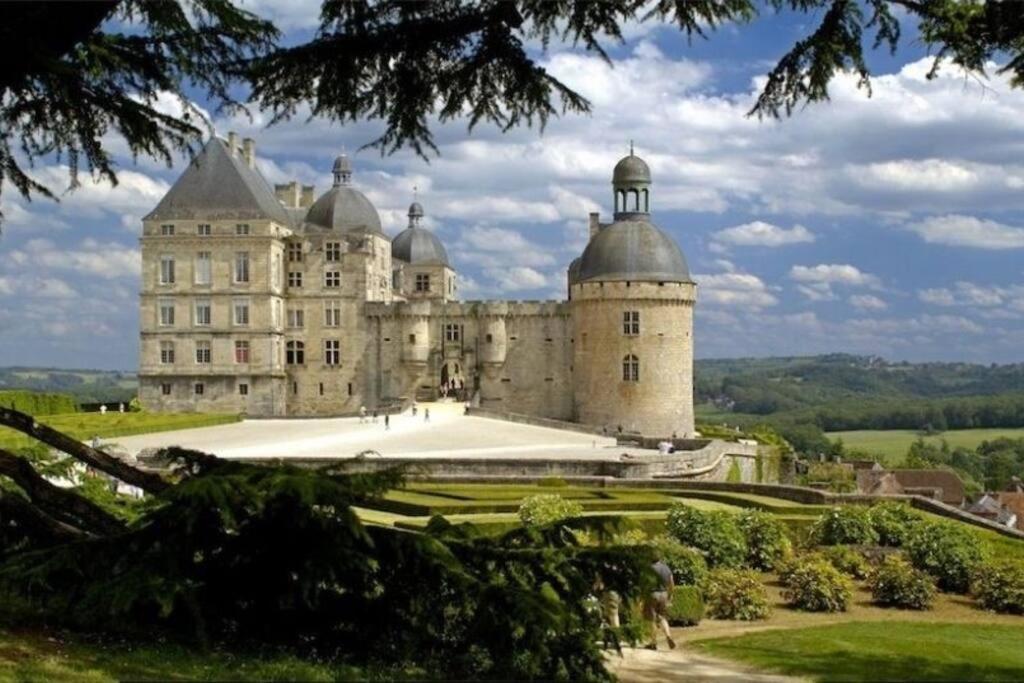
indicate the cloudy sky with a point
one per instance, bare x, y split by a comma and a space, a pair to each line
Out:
890, 225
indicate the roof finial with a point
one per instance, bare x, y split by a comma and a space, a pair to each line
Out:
415, 193
631, 147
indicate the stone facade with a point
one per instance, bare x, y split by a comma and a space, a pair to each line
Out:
265, 302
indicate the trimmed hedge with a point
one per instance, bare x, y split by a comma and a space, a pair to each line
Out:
736, 594
687, 607
895, 583
999, 587
893, 522
35, 403
816, 586
767, 542
689, 568
845, 525
947, 551
546, 508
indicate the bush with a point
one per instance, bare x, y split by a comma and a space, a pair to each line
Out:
736, 594
553, 482
766, 539
847, 560
36, 403
947, 551
897, 584
689, 568
545, 508
816, 586
687, 608
716, 534
845, 525
1000, 587
893, 522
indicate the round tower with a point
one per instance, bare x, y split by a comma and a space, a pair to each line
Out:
632, 301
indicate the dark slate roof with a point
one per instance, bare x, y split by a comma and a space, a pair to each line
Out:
631, 169
420, 246
574, 271
633, 249
219, 186
345, 209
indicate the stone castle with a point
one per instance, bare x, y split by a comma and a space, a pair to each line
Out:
274, 302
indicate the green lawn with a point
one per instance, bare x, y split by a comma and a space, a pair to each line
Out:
84, 426
892, 445
30, 656
894, 651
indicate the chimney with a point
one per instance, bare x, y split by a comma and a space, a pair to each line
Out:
308, 195
249, 152
595, 223
233, 143
288, 194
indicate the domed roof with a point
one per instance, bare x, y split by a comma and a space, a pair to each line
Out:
415, 210
633, 250
574, 270
345, 209
342, 164
420, 246
631, 169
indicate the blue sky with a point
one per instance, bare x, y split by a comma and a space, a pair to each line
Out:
890, 225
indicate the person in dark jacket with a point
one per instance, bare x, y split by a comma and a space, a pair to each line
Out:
656, 605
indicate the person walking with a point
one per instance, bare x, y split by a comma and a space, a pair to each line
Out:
362, 414
426, 414
656, 605
414, 408
387, 421
375, 416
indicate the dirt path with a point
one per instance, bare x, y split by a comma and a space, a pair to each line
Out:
682, 665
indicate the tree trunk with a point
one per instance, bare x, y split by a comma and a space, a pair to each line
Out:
26, 424
61, 504
39, 526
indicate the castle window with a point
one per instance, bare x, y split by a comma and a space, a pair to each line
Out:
350, 388
295, 387
167, 313
332, 252
165, 389
321, 388
242, 229
203, 229
166, 270
332, 352
166, 230
243, 389
203, 270
167, 353
630, 369
241, 267
203, 352
451, 332
412, 338
422, 282
332, 279
241, 309
203, 313
241, 352
332, 314
295, 252
296, 318
489, 338
631, 323
295, 353
294, 278
199, 388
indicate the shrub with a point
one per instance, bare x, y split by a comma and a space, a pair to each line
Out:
845, 525
716, 534
1000, 587
736, 594
893, 522
36, 403
847, 560
545, 508
946, 551
766, 539
816, 586
687, 608
689, 568
897, 584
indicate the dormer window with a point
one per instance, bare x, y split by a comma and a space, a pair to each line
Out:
422, 282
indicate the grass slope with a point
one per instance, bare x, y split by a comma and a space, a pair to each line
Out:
892, 445
84, 426
899, 651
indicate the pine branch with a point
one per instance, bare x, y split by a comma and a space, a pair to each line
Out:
147, 481
38, 526
63, 505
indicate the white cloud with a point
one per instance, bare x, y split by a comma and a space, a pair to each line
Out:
517, 278
968, 231
761, 234
735, 290
868, 302
975, 295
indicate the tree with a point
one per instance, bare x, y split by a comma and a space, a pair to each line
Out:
73, 72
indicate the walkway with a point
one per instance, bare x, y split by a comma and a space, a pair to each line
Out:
672, 666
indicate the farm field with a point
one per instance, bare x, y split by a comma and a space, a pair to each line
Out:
84, 426
892, 445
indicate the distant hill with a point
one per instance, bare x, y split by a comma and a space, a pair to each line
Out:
86, 386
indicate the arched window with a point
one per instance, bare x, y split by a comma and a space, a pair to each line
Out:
630, 369
636, 199
295, 353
